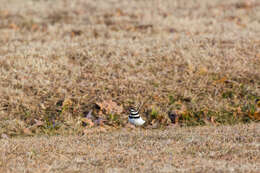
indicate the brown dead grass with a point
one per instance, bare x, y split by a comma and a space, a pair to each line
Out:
59, 59
198, 57
190, 149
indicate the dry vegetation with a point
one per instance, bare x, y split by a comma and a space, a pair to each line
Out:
188, 149
61, 59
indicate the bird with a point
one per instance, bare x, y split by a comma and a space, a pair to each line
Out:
134, 117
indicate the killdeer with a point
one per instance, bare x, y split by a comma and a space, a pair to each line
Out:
134, 117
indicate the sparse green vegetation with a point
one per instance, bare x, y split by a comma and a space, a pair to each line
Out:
171, 99
154, 113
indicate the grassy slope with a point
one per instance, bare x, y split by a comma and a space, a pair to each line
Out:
191, 149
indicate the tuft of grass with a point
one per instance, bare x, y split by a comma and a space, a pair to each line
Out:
228, 94
154, 114
172, 100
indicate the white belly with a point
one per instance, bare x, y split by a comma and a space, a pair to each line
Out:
137, 122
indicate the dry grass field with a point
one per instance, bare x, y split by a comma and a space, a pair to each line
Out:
190, 149
61, 59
